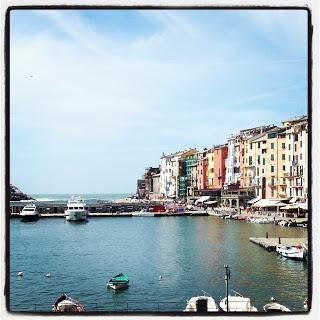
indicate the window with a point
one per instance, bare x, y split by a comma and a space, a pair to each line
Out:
283, 156
284, 168
272, 168
284, 180
257, 171
272, 145
258, 160
289, 146
272, 135
289, 136
262, 170
283, 146
250, 160
289, 158
258, 145
263, 161
295, 148
272, 181
272, 157
272, 193
300, 144
300, 156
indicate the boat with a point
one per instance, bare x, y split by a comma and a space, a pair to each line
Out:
66, 304
273, 306
76, 210
237, 303
29, 213
119, 281
293, 252
203, 303
143, 213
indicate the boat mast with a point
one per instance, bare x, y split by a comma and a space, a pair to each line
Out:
226, 278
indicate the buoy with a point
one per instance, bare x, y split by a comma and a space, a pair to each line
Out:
48, 275
20, 274
160, 277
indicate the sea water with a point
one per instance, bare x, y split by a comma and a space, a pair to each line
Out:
188, 252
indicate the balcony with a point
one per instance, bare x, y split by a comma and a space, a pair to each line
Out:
270, 185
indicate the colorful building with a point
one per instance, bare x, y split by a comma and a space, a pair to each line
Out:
219, 158
202, 167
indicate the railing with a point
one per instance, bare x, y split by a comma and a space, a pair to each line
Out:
156, 306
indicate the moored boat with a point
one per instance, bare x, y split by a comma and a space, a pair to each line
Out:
66, 304
119, 281
201, 304
29, 213
76, 210
237, 303
296, 252
274, 306
143, 213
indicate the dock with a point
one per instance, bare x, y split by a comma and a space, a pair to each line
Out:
271, 243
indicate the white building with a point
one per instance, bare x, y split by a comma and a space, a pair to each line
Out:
166, 187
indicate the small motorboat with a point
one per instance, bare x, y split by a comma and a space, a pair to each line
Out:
67, 304
29, 213
48, 275
273, 306
119, 281
143, 213
293, 252
20, 274
237, 303
203, 303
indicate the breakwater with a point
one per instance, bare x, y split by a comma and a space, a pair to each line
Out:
97, 207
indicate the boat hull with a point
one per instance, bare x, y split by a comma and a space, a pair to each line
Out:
201, 304
81, 215
118, 286
30, 217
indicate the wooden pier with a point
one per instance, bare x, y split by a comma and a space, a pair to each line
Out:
271, 243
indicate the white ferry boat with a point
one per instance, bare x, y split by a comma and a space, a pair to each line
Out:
29, 213
76, 210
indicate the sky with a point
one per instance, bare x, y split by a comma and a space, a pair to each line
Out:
96, 96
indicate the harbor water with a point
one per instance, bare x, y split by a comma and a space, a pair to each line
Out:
188, 252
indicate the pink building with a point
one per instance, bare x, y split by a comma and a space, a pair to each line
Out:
202, 167
219, 158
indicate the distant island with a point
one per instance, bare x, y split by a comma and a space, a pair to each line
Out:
16, 194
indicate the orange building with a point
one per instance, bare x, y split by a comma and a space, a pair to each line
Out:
220, 154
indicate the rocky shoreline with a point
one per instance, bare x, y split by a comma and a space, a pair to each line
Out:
17, 195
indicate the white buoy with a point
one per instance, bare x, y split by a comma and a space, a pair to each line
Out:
20, 274
48, 275
160, 277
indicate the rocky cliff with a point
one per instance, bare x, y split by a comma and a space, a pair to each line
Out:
16, 194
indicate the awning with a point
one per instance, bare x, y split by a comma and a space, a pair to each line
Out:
290, 206
210, 202
202, 199
268, 203
303, 206
253, 200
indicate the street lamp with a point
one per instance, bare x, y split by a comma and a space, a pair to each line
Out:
226, 278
